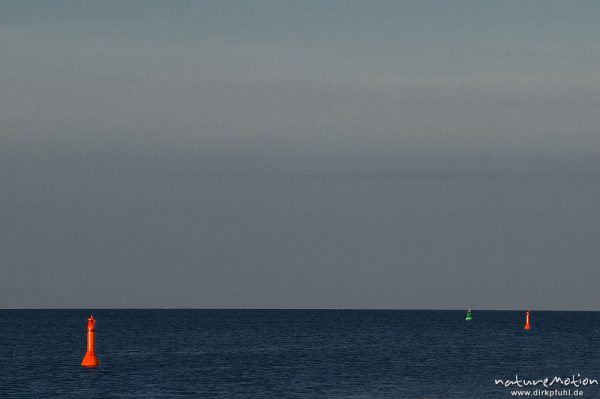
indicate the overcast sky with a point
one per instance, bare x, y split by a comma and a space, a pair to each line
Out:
307, 154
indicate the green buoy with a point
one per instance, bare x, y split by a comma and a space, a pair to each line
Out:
469, 316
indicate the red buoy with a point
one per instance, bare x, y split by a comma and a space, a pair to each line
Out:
90, 359
527, 324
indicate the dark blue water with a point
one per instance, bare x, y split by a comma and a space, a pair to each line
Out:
291, 353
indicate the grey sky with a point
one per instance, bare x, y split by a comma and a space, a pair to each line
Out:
300, 154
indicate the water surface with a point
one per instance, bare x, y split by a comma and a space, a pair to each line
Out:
291, 353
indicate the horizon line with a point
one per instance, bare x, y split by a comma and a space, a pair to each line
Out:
316, 309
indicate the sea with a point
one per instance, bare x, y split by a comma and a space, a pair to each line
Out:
299, 354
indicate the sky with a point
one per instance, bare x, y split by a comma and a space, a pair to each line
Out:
310, 154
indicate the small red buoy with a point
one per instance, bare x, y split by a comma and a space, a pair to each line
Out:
90, 360
527, 324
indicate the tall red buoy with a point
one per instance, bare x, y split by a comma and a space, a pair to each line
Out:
527, 324
90, 359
